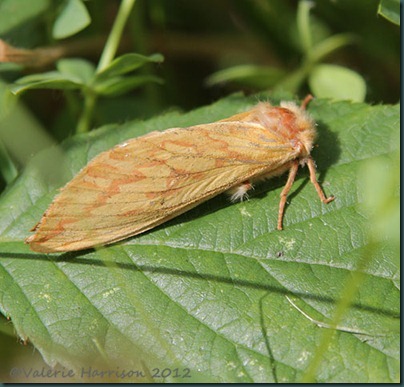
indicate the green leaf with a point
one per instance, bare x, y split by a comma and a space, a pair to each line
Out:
127, 63
260, 77
20, 133
208, 290
49, 80
8, 169
115, 86
390, 9
78, 68
16, 13
73, 18
336, 82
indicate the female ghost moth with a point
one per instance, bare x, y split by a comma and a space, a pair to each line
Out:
148, 180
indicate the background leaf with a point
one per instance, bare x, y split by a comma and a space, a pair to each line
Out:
390, 9
51, 80
21, 11
207, 291
79, 68
261, 77
73, 18
332, 81
127, 63
120, 85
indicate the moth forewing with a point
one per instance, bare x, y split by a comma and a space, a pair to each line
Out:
148, 180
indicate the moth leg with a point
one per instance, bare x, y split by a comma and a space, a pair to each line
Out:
284, 194
313, 179
291, 178
240, 192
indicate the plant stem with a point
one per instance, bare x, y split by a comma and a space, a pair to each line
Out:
111, 46
303, 25
293, 82
114, 37
329, 45
86, 117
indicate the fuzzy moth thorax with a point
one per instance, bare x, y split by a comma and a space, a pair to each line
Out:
303, 127
290, 122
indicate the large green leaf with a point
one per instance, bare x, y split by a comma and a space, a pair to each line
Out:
218, 290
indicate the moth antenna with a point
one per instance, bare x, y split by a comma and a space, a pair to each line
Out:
306, 101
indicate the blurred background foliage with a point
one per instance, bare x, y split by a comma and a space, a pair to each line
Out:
340, 49
179, 54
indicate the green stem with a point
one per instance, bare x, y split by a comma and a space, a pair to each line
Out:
322, 49
86, 117
293, 81
111, 46
114, 37
303, 24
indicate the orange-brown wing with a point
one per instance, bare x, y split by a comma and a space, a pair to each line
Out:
142, 183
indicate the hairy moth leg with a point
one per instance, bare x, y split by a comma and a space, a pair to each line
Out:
240, 192
284, 194
313, 179
291, 178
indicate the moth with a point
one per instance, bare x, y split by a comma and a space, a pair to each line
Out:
148, 180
